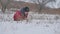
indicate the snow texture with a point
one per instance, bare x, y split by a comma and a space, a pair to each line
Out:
36, 24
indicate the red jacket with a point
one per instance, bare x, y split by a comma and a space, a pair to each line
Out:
18, 15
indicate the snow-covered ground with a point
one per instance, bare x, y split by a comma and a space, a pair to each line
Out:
36, 24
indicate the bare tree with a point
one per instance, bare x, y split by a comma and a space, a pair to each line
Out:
41, 3
4, 4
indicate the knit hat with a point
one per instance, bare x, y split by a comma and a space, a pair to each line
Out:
25, 9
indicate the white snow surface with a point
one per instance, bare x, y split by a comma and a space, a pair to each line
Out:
36, 24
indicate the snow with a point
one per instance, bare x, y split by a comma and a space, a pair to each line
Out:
36, 24
18, 28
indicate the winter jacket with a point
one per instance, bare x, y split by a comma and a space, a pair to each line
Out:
18, 16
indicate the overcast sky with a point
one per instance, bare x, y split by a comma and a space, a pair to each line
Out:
52, 5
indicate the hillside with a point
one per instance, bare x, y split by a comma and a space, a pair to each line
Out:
32, 6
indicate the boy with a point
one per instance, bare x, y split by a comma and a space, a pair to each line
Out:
22, 14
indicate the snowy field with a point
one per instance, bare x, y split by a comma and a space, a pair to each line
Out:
36, 24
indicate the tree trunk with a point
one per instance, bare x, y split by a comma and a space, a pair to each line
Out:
3, 10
